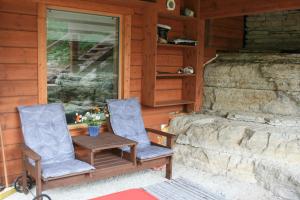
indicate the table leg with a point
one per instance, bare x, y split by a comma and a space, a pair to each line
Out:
133, 154
91, 158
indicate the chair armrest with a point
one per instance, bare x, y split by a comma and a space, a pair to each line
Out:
29, 153
159, 132
170, 137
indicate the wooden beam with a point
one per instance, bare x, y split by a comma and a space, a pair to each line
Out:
125, 52
42, 54
220, 8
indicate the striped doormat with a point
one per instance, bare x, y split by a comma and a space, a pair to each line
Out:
181, 189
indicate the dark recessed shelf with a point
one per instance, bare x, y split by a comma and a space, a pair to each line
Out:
175, 45
177, 17
172, 103
166, 75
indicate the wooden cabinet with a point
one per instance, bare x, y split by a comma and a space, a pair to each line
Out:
158, 89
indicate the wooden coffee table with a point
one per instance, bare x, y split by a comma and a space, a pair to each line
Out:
101, 153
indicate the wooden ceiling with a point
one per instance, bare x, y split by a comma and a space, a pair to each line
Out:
227, 8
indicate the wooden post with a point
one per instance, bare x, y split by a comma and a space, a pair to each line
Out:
3, 158
74, 50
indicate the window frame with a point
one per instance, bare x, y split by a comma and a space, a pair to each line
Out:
124, 14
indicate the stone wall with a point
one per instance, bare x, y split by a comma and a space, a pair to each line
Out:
253, 82
250, 148
278, 31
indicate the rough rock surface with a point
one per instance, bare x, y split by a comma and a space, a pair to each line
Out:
275, 31
250, 126
251, 150
254, 82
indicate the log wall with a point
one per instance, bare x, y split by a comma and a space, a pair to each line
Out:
19, 79
224, 34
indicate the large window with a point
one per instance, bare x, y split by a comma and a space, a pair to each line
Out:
82, 60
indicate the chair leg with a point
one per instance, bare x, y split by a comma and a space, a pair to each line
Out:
169, 168
38, 180
24, 182
38, 187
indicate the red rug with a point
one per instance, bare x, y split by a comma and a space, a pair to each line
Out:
133, 194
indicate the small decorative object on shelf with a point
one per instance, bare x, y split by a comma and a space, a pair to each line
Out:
189, 12
186, 70
162, 32
171, 5
93, 119
181, 41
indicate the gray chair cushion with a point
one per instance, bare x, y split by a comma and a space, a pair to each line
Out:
126, 120
67, 167
45, 131
149, 152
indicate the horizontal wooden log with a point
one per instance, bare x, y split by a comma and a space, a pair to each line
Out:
18, 39
226, 44
229, 22
14, 168
9, 104
19, 22
12, 136
18, 72
18, 55
24, 7
12, 152
227, 33
10, 120
18, 88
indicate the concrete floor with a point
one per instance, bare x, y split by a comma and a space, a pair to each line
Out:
230, 189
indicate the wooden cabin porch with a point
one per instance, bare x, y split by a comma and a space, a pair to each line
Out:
145, 69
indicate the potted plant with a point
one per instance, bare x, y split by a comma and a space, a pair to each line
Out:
93, 119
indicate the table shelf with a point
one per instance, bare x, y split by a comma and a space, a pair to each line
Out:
110, 160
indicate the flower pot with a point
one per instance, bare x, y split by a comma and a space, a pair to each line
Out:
93, 130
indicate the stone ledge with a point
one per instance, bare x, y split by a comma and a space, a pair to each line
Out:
255, 152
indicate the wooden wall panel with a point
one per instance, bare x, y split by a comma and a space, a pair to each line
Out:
165, 95
13, 136
24, 7
221, 8
18, 88
11, 21
226, 34
11, 38
18, 73
18, 55
9, 104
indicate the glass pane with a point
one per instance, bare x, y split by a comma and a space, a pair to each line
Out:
83, 60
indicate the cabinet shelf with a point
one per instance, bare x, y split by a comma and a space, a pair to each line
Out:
168, 88
172, 103
177, 17
176, 45
174, 75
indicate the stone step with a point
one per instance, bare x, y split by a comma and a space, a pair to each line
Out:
249, 151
